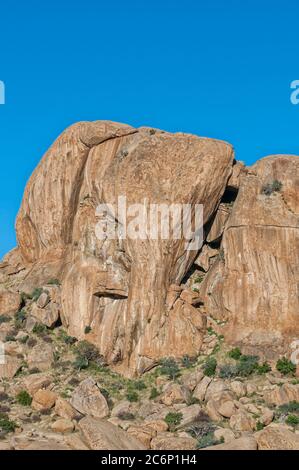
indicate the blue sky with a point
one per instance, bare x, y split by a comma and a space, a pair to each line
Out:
214, 68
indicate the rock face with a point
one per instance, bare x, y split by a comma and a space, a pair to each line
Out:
119, 287
254, 284
137, 300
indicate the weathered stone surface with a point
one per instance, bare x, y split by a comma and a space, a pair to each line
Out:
92, 163
175, 393
144, 434
238, 388
41, 358
102, 435
9, 369
47, 315
280, 395
75, 442
201, 388
9, 302
243, 443
190, 414
65, 410
277, 438
173, 443
192, 379
63, 426
254, 285
242, 421
43, 400
34, 382
88, 400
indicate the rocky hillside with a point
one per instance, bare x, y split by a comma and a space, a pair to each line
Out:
125, 343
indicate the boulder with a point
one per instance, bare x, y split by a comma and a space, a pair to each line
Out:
279, 395
277, 438
243, 443
10, 302
242, 421
253, 285
63, 426
102, 435
95, 162
43, 400
201, 388
173, 443
41, 357
88, 400
175, 393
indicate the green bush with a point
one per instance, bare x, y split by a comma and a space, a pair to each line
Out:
137, 385
173, 420
188, 361
87, 330
23, 398
39, 329
4, 319
292, 420
169, 368
132, 396
235, 354
247, 365
209, 367
207, 441
53, 282
154, 393
273, 187
285, 367
6, 424
87, 355
19, 318
227, 371
36, 293
291, 407
263, 368
80, 363
259, 426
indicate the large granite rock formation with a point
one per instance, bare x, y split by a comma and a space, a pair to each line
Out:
146, 299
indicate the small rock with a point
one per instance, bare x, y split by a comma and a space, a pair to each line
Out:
64, 409
43, 400
201, 388
223, 433
227, 409
175, 393
143, 433
238, 388
63, 426
242, 421
43, 300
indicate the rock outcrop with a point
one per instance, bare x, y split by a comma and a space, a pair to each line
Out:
118, 288
141, 300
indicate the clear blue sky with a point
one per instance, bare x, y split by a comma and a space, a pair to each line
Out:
215, 68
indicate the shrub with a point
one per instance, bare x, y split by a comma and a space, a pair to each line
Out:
23, 398
138, 385
209, 367
263, 368
173, 420
20, 318
4, 319
273, 187
291, 407
235, 354
207, 441
3, 396
170, 368
36, 293
293, 420
31, 342
132, 396
88, 350
259, 426
87, 330
285, 367
53, 282
188, 361
199, 430
80, 363
228, 371
247, 365
39, 329
154, 393
126, 416
6, 424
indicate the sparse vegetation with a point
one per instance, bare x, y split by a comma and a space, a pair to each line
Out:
285, 367
39, 329
132, 396
4, 319
209, 367
259, 426
173, 420
247, 365
23, 398
263, 368
227, 371
126, 416
292, 420
188, 361
235, 354
7, 425
36, 293
87, 330
291, 407
169, 368
154, 393
270, 188
53, 282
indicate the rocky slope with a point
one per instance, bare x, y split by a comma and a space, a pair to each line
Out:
139, 302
